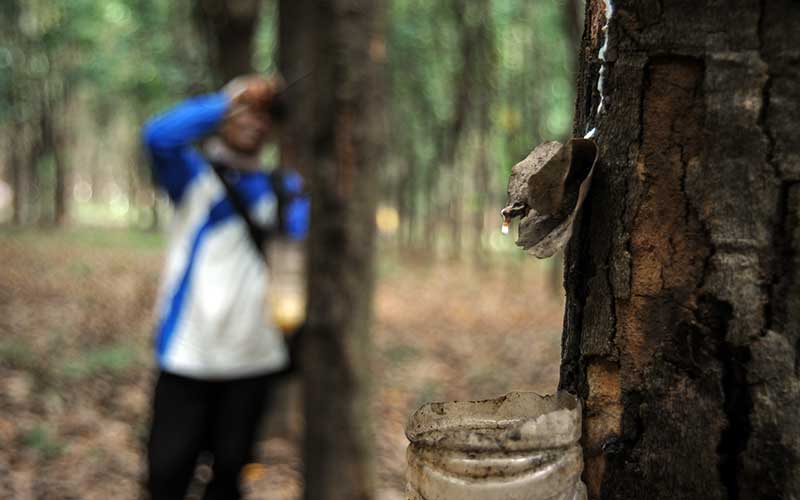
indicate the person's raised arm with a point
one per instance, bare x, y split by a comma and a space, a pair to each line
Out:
170, 135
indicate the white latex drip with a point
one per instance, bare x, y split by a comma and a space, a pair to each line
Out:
601, 80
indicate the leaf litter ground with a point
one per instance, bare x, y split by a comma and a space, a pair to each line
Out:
76, 369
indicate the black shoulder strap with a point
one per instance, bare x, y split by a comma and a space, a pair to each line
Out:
258, 234
281, 195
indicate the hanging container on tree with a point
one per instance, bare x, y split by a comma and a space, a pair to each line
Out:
521, 446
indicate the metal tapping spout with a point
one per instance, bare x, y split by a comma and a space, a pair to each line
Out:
515, 209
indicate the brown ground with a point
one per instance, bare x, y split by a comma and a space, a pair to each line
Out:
75, 367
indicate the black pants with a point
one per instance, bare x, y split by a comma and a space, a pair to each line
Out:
191, 417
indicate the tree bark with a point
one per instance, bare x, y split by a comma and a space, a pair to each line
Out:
229, 29
348, 149
683, 277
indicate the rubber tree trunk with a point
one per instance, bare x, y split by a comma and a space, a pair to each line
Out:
228, 27
683, 277
349, 136
296, 61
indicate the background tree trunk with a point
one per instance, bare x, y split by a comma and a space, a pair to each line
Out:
295, 60
572, 28
348, 143
20, 175
485, 81
54, 106
683, 278
229, 29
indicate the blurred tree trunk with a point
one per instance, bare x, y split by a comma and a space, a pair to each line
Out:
35, 200
682, 323
14, 173
132, 185
15, 159
228, 28
295, 60
572, 32
482, 187
463, 99
431, 214
142, 160
573, 27
405, 197
53, 145
476, 47
485, 81
60, 189
17, 137
349, 138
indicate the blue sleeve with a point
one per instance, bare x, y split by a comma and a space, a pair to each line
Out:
169, 138
297, 213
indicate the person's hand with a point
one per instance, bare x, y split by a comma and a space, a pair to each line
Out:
248, 123
257, 92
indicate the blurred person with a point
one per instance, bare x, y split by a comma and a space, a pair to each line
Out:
217, 351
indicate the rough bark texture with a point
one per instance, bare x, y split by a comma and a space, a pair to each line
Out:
682, 326
348, 144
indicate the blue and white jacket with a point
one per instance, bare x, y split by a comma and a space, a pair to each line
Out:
211, 304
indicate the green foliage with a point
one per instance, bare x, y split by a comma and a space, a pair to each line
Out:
266, 46
94, 62
532, 94
136, 54
522, 63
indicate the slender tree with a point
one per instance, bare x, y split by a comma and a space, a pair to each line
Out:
469, 18
348, 144
485, 82
682, 326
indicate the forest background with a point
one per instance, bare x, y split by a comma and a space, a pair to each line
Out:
460, 312
471, 88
